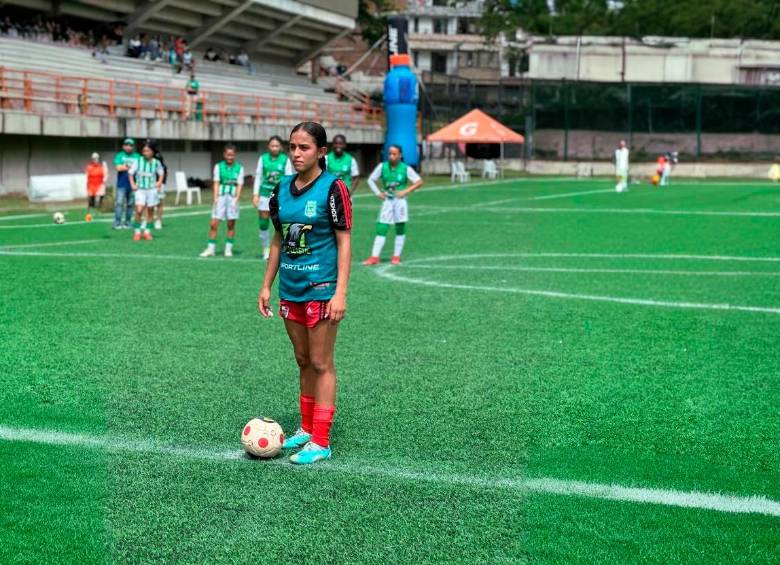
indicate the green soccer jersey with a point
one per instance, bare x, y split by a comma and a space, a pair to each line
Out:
273, 171
229, 177
394, 178
145, 172
122, 158
341, 167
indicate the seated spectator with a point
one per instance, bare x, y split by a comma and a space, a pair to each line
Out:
134, 47
210, 55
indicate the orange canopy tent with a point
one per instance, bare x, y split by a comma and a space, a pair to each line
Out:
476, 127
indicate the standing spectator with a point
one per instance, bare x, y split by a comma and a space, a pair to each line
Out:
187, 61
124, 199
193, 88
243, 60
97, 173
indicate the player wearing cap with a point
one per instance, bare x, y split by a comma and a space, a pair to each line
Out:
123, 194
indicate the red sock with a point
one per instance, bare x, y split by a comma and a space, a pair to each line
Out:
307, 413
323, 420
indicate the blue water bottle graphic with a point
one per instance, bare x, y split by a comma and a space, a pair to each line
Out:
401, 99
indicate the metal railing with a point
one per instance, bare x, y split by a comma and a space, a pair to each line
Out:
47, 93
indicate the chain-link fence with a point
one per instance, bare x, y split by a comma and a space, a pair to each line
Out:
585, 120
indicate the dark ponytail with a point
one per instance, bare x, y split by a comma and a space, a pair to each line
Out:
320, 136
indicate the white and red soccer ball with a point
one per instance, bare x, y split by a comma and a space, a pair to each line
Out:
262, 437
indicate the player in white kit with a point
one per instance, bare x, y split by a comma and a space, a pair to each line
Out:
621, 167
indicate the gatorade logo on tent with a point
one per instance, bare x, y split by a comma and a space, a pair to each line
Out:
469, 129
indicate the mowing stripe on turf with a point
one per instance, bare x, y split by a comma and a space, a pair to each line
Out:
543, 485
567, 194
670, 256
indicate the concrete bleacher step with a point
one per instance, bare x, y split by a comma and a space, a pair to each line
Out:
64, 60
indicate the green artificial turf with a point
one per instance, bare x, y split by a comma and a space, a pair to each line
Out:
456, 378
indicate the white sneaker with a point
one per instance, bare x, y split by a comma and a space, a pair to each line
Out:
158, 224
208, 252
266, 253
228, 251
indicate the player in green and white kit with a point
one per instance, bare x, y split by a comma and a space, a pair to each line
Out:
228, 180
271, 167
396, 177
342, 164
146, 177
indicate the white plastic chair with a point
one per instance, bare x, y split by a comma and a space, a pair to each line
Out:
181, 187
459, 172
489, 169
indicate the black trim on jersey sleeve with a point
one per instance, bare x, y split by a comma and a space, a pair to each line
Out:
340, 206
273, 205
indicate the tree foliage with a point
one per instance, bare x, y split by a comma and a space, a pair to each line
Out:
748, 19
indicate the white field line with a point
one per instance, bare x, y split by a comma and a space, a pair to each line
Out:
447, 209
52, 244
567, 194
595, 270
152, 257
207, 209
669, 256
697, 500
22, 216
387, 272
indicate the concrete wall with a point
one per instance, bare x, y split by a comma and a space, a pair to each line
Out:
600, 168
24, 155
588, 144
653, 59
15, 123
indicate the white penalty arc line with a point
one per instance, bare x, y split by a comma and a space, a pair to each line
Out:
697, 500
390, 273
595, 270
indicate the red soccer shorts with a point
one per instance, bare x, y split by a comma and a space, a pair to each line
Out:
307, 314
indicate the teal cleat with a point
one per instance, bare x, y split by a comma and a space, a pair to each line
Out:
298, 439
311, 453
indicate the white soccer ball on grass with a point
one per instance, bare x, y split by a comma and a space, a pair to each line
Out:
58, 217
262, 437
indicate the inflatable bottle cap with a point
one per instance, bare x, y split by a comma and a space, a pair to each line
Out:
400, 59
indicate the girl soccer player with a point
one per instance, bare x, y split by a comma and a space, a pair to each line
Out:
342, 164
146, 176
396, 176
311, 248
228, 179
271, 166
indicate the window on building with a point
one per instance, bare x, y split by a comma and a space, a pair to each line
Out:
440, 25
416, 59
416, 25
439, 62
470, 59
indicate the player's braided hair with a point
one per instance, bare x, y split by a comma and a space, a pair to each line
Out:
319, 134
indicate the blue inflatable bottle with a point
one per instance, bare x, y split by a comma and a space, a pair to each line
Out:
401, 99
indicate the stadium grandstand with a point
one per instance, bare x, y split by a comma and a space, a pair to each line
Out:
68, 86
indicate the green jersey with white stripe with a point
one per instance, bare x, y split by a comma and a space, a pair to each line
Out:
229, 177
145, 173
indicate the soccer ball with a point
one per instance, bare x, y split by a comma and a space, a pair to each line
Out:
88, 218
262, 437
655, 179
58, 217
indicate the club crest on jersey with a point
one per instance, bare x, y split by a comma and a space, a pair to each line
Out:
311, 209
